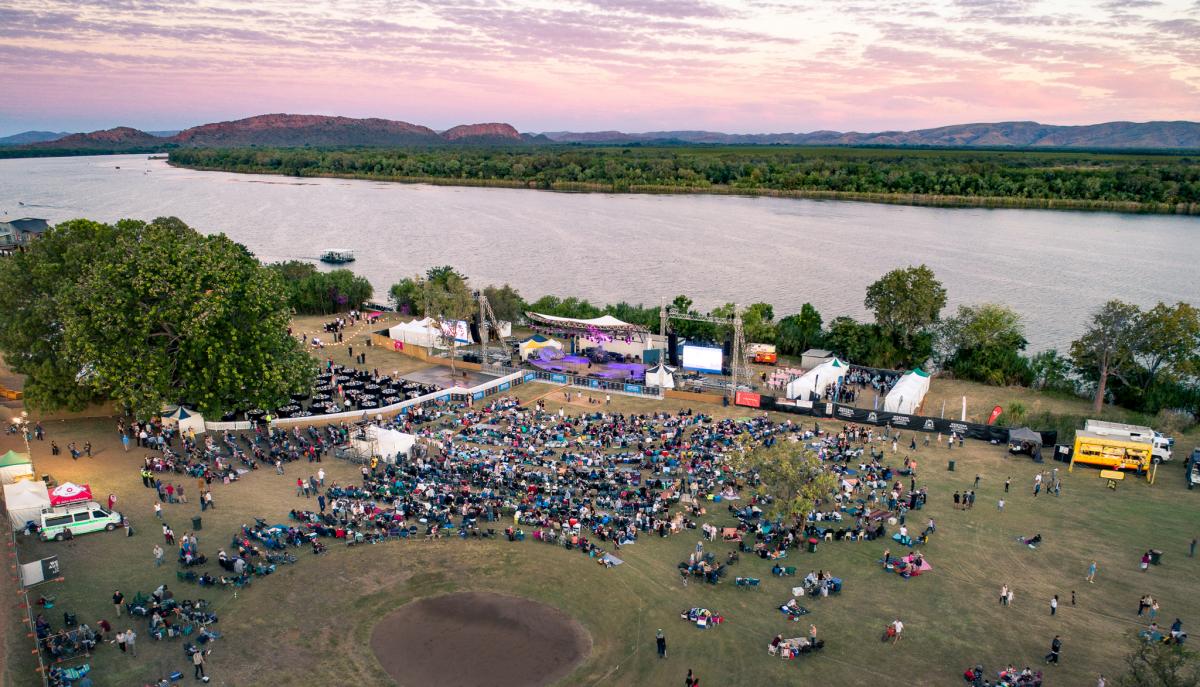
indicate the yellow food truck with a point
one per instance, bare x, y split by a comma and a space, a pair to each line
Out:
1112, 452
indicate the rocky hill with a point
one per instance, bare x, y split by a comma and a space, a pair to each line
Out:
301, 130
31, 137
483, 133
120, 138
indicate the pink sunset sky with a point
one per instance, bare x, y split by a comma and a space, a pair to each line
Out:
633, 65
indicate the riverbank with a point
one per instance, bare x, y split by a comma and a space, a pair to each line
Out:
913, 199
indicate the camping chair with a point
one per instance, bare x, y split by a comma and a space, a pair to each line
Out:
748, 582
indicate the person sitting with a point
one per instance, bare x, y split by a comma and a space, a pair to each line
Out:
1033, 541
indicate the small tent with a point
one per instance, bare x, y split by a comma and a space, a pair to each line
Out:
817, 380
906, 397
185, 420
14, 466
534, 343
25, 501
387, 444
422, 332
68, 492
661, 376
1025, 440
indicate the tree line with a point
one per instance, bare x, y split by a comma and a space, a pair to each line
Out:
1144, 360
1139, 182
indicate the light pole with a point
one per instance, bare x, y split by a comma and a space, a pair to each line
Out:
22, 425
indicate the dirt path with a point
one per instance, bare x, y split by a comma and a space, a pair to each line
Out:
475, 638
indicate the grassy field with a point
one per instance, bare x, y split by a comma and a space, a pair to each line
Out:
309, 623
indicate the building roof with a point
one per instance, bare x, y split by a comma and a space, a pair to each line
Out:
818, 353
29, 225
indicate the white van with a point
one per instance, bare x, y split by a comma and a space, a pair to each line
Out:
1162, 445
79, 518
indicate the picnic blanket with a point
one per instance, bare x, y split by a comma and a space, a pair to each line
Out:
611, 559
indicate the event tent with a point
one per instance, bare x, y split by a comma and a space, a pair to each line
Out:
817, 380
908, 393
661, 376
387, 444
25, 501
535, 342
424, 332
1024, 434
185, 419
14, 466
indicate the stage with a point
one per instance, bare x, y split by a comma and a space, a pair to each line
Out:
440, 375
583, 367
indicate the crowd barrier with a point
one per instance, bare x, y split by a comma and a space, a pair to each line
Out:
866, 416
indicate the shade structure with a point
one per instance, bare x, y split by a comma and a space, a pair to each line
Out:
817, 380
534, 343
14, 466
387, 444
25, 500
661, 376
185, 419
909, 392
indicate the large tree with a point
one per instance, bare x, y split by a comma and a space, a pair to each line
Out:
1155, 664
984, 343
1169, 344
1108, 347
795, 334
793, 478
448, 300
506, 302
906, 303
157, 314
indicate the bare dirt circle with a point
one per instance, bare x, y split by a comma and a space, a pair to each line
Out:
469, 639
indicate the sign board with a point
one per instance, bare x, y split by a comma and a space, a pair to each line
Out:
746, 398
40, 571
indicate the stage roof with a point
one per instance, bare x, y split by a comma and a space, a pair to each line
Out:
605, 323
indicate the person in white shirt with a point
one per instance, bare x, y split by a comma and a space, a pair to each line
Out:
898, 627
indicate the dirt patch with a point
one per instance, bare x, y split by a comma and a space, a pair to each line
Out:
475, 638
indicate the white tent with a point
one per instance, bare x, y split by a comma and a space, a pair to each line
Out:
25, 501
908, 393
185, 419
661, 376
14, 466
817, 380
423, 332
531, 345
387, 444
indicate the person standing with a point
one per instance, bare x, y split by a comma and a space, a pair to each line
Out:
1004, 595
1054, 605
1101, 682
130, 639
198, 662
119, 600
976, 481
1000, 505
898, 627
956, 500
812, 635
1192, 549
660, 641
1055, 650
158, 555
1091, 575
120, 641
125, 441
1006, 483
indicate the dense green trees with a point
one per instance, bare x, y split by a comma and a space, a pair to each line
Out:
311, 292
147, 314
984, 343
1134, 181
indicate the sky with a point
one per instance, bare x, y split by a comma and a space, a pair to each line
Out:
749, 66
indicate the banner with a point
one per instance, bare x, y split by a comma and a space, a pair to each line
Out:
995, 414
397, 345
746, 398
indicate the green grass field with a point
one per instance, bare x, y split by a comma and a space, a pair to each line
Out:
309, 623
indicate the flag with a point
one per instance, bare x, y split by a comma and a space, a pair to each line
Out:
995, 414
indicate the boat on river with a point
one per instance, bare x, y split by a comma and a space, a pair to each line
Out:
337, 256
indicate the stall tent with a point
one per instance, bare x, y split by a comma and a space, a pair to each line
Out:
416, 333
14, 466
661, 376
25, 501
906, 396
186, 420
387, 444
817, 380
532, 344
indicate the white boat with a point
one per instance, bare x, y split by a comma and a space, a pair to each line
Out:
337, 256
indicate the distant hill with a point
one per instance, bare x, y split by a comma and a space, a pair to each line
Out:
26, 137
290, 130
1015, 134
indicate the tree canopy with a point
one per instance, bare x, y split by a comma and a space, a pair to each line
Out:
792, 477
148, 314
984, 343
906, 303
312, 292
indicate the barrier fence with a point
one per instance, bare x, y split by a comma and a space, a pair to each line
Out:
581, 382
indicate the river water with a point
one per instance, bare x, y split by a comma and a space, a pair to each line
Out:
1052, 267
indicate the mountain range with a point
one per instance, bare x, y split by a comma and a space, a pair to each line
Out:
290, 130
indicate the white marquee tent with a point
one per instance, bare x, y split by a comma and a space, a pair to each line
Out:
817, 380
661, 376
908, 393
185, 419
424, 332
25, 501
387, 444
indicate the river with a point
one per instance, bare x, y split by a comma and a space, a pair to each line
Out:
1052, 267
